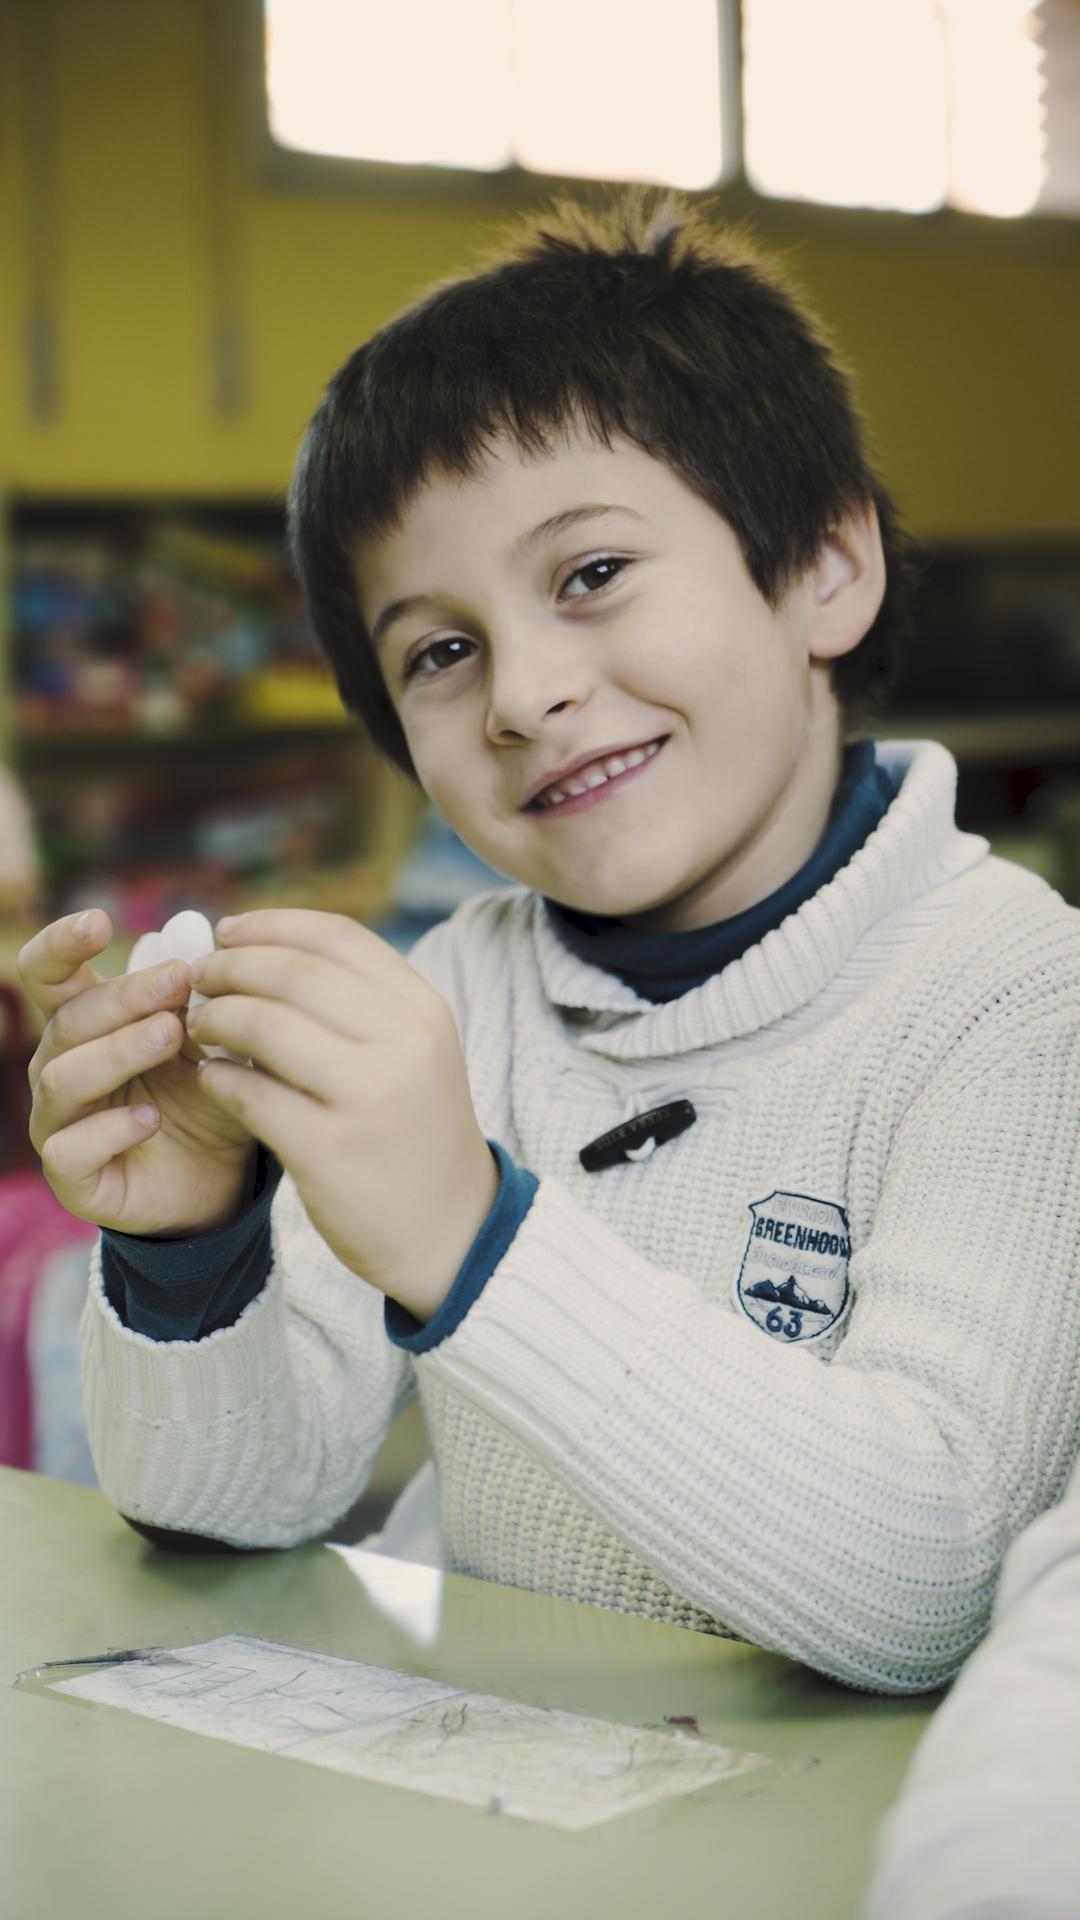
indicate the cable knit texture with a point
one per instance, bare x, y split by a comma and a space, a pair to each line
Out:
607, 1421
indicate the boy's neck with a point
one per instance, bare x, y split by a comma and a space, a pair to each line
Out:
771, 855
662, 966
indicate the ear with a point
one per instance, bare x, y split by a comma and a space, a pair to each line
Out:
846, 585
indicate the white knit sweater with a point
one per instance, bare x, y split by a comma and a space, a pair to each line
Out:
610, 1421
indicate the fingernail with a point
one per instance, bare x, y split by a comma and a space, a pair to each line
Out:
160, 1033
81, 928
225, 926
166, 979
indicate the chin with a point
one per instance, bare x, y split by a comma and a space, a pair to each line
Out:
612, 907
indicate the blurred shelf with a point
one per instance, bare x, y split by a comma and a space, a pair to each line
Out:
175, 729
82, 739
1006, 739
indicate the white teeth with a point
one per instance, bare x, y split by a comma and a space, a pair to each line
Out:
599, 775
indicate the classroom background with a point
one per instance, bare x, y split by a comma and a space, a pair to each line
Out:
205, 205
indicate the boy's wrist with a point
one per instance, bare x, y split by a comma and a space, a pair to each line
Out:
424, 1289
241, 1199
236, 1198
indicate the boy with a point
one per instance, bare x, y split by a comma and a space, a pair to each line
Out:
719, 1175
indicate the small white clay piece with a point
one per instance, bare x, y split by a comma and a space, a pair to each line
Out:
187, 936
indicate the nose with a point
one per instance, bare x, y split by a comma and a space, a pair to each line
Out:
541, 674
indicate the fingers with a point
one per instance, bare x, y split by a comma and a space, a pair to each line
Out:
290, 1045
108, 1006
328, 992
56, 963
266, 1108
73, 1081
332, 935
289, 1009
73, 1159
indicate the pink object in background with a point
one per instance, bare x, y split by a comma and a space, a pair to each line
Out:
33, 1227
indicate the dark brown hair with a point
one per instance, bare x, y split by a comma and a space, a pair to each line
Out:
638, 317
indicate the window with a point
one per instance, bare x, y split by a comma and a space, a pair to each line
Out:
910, 105
581, 87
914, 104
845, 103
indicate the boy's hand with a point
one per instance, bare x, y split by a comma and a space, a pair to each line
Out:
359, 1086
182, 1170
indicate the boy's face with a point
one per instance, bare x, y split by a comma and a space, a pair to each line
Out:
532, 648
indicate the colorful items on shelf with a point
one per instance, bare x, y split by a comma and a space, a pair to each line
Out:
136, 618
181, 629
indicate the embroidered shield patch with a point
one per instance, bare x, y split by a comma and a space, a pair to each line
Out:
793, 1282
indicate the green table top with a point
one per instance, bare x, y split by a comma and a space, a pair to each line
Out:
114, 1817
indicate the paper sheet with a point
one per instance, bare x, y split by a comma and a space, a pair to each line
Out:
398, 1728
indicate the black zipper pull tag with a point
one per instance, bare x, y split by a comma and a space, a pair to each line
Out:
636, 1139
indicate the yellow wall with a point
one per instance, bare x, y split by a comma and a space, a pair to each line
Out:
963, 332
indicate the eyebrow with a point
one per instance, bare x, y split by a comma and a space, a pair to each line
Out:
526, 543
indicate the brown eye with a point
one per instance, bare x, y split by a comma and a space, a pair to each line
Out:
597, 567
422, 653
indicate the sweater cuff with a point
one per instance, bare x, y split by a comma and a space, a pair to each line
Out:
512, 1202
186, 1289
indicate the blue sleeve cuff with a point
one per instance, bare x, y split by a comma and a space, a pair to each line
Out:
512, 1202
185, 1289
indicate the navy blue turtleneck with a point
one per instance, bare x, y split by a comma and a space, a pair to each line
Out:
186, 1289
661, 966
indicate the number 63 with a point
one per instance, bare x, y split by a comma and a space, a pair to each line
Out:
777, 1324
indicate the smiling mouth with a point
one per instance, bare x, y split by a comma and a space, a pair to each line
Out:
582, 790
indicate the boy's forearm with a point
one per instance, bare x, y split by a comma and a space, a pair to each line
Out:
649, 1410
271, 1431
